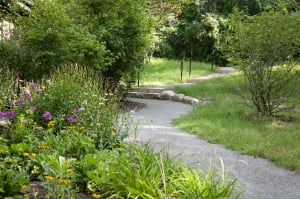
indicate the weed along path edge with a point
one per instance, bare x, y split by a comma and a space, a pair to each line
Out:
257, 177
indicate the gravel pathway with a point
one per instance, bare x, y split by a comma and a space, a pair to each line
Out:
256, 176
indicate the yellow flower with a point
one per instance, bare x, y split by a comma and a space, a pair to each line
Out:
69, 170
115, 162
72, 127
49, 178
11, 160
91, 140
33, 154
42, 146
94, 195
39, 127
26, 154
62, 181
122, 145
81, 128
113, 134
23, 186
1, 150
98, 124
51, 124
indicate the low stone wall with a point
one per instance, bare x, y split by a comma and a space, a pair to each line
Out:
168, 95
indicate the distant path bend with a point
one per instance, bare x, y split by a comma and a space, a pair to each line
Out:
256, 176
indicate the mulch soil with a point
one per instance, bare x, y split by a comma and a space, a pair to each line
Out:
131, 106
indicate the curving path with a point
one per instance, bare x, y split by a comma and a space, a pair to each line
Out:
256, 176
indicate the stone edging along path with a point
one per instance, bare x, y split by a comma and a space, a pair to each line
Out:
168, 93
165, 94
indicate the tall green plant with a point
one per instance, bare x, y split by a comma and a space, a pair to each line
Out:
264, 46
140, 172
8, 87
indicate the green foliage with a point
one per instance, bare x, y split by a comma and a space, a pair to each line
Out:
8, 87
57, 175
231, 123
49, 38
197, 33
10, 57
11, 181
136, 172
192, 185
264, 47
109, 37
124, 31
13, 177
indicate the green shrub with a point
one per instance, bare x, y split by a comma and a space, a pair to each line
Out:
50, 38
264, 47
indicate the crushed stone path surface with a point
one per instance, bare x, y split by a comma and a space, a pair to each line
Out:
258, 178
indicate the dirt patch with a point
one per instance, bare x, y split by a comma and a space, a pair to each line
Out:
127, 106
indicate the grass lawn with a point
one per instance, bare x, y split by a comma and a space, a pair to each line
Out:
229, 122
163, 72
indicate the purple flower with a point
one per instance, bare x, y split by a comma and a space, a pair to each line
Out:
27, 95
33, 85
38, 91
77, 110
21, 101
32, 109
47, 115
8, 114
71, 118
13, 102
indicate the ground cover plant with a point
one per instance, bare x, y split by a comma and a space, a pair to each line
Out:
63, 138
227, 120
162, 71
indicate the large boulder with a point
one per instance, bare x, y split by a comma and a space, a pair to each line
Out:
178, 97
167, 95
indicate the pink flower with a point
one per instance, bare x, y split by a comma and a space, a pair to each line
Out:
47, 115
77, 110
33, 85
71, 118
